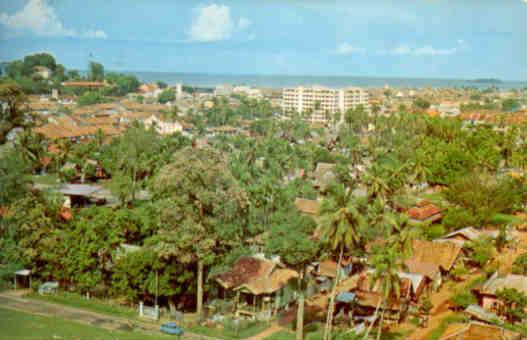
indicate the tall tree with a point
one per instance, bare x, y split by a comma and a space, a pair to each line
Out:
291, 238
95, 71
340, 226
204, 210
13, 112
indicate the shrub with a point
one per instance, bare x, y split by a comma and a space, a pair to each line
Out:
457, 218
480, 250
520, 265
463, 298
433, 231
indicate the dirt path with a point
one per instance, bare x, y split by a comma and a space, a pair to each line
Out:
11, 301
275, 327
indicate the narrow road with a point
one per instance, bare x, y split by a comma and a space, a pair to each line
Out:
275, 327
110, 322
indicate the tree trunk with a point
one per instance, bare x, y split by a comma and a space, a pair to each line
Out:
171, 306
300, 308
199, 302
374, 318
380, 323
331, 306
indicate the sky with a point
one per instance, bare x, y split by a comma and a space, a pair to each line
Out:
378, 38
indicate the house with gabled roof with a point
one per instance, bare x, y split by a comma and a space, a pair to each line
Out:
424, 212
259, 285
487, 292
433, 259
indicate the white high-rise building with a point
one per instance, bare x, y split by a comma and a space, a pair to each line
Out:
318, 100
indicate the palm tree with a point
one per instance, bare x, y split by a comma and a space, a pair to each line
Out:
340, 224
387, 262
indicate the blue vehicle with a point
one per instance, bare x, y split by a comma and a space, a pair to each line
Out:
171, 328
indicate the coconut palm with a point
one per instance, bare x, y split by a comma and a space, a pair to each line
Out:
387, 263
339, 225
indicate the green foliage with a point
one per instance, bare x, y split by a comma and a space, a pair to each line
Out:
290, 238
91, 98
520, 265
432, 232
476, 106
166, 96
463, 298
421, 104
14, 170
509, 105
484, 195
135, 156
121, 84
425, 306
13, 114
515, 302
456, 218
480, 250
95, 71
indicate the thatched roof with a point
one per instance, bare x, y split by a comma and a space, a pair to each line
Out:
441, 254
269, 284
306, 206
429, 270
478, 331
246, 269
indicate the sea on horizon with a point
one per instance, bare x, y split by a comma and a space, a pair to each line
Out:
280, 81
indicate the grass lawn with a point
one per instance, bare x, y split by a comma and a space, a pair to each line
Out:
94, 305
22, 326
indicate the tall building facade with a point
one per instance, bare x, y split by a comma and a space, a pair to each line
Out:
318, 100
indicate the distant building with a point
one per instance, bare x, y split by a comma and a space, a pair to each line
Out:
85, 84
163, 127
321, 100
179, 90
250, 92
223, 90
151, 90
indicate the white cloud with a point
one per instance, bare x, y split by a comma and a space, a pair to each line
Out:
429, 50
424, 50
243, 23
401, 50
98, 34
39, 18
214, 22
346, 48
211, 23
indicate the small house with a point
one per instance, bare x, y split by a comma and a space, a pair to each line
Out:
433, 259
424, 212
260, 287
323, 175
486, 293
307, 206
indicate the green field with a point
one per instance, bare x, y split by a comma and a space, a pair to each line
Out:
22, 326
94, 305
